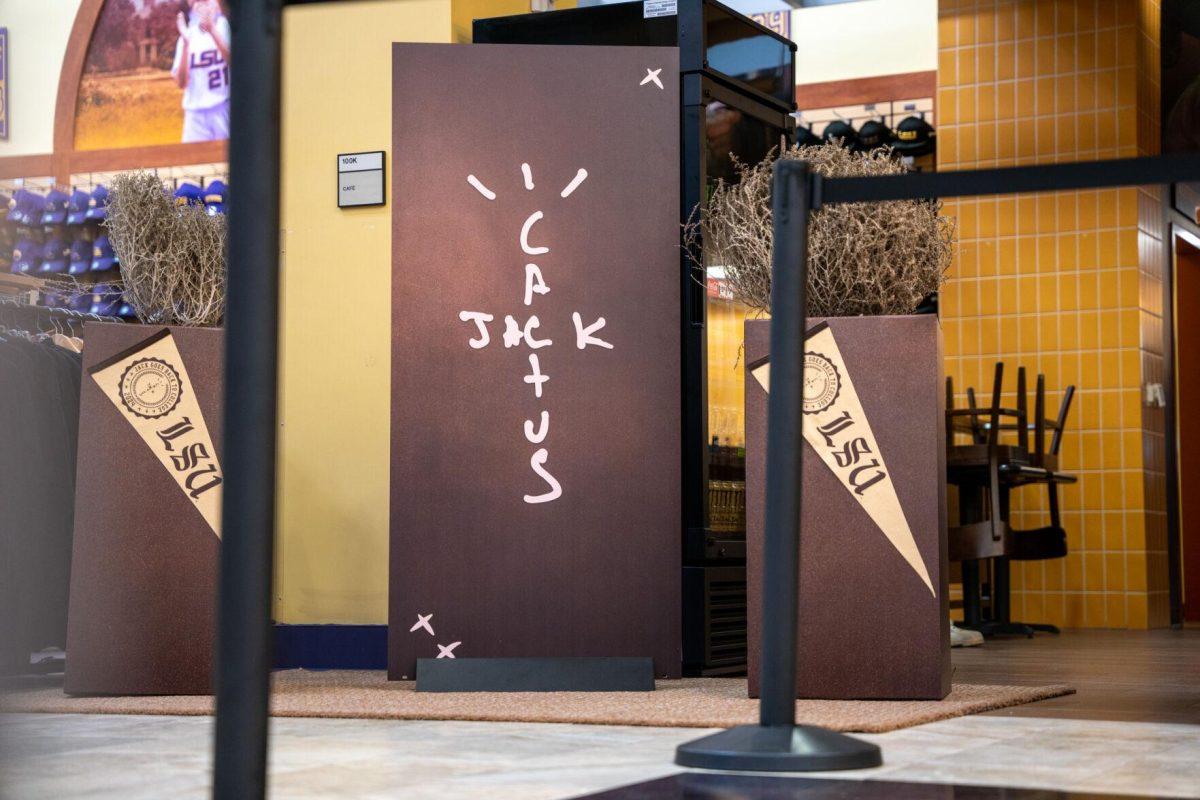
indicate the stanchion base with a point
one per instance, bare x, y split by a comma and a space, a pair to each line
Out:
783, 748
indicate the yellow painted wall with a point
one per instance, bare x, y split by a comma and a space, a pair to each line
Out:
336, 302
335, 393
37, 33
464, 11
1051, 281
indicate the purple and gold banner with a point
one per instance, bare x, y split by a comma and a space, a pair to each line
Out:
3, 83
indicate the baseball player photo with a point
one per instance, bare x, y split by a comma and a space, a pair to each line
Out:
201, 70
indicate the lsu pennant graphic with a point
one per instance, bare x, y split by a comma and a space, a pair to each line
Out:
836, 427
149, 385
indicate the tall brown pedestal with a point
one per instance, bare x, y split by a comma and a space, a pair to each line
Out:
144, 562
874, 621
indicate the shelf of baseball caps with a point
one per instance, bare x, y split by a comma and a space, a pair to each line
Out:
905, 125
58, 235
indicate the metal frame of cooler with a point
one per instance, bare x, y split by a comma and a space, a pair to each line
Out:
714, 620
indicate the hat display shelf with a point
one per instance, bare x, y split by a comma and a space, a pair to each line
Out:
872, 572
903, 126
36, 241
52, 234
56, 234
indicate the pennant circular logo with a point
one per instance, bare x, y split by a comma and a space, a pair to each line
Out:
150, 388
822, 383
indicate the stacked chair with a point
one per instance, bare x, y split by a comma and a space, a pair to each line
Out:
986, 470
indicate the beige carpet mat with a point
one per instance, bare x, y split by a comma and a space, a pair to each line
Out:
687, 703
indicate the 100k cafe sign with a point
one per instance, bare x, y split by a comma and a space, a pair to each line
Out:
838, 429
149, 385
520, 332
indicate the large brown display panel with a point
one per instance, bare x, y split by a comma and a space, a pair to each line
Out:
870, 627
144, 562
594, 571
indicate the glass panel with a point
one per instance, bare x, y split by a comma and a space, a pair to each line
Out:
745, 52
1180, 77
726, 411
730, 133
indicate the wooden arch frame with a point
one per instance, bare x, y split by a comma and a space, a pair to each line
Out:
65, 160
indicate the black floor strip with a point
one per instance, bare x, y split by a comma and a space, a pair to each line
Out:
712, 786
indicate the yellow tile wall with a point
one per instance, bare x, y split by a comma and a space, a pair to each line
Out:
1153, 273
1054, 281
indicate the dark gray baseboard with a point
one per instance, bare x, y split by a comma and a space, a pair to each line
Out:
535, 675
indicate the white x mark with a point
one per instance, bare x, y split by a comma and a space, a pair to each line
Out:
423, 622
652, 77
447, 651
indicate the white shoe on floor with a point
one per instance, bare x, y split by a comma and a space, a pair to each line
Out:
962, 637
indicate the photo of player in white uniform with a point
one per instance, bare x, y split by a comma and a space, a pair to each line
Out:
201, 69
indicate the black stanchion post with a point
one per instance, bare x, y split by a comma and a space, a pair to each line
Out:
243, 658
785, 442
777, 744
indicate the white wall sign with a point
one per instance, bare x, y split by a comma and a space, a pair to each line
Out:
360, 179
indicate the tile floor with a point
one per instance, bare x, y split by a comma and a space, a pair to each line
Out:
134, 757
1133, 728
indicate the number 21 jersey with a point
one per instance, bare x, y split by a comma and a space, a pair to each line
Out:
208, 72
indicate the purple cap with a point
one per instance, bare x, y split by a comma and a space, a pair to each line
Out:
27, 255
188, 194
54, 300
55, 255
77, 208
15, 204
103, 256
98, 204
105, 300
81, 257
55, 212
29, 209
80, 302
215, 197
125, 309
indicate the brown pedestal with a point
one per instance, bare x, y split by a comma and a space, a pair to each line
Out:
144, 562
874, 620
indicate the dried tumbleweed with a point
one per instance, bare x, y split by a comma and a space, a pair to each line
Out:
172, 258
863, 258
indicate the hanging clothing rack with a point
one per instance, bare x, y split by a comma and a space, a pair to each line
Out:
16, 313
